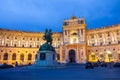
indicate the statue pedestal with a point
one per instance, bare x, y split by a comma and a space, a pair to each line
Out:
46, 58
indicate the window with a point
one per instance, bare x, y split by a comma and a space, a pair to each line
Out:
118, 42
30, 46
14, 45
82, 31
101, 43
108, 34
0, 57
30, 38
15, 37
80, 21
22, 57
92, 44
109, 43
100, 35
14, 56
6, 45
119, 56
92, 36
74, 40
110, 56
114, 49
29, 57
42, 56
7, 37
96, 50
102, 57
118, 33
37, 46
93, 57
22, 45
5, 56
58, 56
38, 39
1, 50
65, 32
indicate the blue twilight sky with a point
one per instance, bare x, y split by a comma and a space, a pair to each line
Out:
36, 15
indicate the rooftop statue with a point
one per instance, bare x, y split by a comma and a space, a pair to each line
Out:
48, 44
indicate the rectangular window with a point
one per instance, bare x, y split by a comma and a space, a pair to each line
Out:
92, 44
65, 32
101, 43
82, 31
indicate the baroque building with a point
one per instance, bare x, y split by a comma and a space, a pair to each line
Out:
75, 44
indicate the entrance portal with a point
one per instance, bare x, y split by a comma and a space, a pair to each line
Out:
72, 56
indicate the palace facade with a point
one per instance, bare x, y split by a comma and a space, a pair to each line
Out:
74, 44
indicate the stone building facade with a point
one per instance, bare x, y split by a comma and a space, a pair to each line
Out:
75, 44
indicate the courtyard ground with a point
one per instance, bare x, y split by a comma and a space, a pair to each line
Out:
70, 72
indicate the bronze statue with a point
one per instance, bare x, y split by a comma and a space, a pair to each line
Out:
48, 45
48, 36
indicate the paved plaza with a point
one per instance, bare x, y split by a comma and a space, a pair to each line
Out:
69, 72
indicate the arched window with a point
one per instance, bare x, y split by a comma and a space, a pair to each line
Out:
22, 57
29, 57
14, 56
5, 56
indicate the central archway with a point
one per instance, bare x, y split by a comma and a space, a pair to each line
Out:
72, 57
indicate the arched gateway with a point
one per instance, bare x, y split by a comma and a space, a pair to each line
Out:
72, 57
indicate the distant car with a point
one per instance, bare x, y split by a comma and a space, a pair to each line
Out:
104, 64
89, 65
4, 66
117, 64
